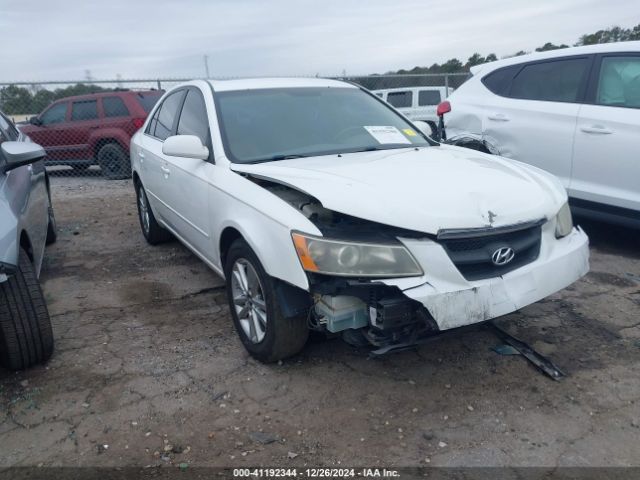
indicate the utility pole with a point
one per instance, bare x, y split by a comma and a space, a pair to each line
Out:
206, 65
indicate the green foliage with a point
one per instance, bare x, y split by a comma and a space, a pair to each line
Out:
16, 100
613, 34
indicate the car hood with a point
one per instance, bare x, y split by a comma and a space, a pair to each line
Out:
426, 190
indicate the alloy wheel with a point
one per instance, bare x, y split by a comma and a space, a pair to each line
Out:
248, 300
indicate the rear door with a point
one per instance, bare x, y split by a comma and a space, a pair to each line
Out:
532, 117
155, 171
189, 178
83, 121
606, 161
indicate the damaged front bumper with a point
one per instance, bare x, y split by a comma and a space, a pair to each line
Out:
453, 301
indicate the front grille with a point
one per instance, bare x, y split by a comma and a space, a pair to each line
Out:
471, 250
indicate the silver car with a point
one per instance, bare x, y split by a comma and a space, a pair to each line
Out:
27, 223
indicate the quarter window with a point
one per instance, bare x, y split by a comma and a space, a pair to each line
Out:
85, 110
428, 97
619, 82
555, 81
400, 99
55, 114
114, 107
193, 119
166, 116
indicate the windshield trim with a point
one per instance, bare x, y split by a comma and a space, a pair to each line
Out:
229, 155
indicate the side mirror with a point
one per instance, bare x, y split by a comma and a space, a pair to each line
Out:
18, 154
35, 121
425, 127
188, 146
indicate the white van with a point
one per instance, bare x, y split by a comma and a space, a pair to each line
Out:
415, 103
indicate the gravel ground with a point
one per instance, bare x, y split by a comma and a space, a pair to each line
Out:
148, 370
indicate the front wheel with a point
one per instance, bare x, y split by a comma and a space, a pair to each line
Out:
264, 331
26, 337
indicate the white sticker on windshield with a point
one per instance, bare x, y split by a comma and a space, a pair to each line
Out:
386, 135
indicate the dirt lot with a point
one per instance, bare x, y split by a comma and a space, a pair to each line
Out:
149, 371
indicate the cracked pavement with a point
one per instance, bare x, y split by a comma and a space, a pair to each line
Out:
148, 369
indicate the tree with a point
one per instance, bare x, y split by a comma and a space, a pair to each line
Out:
550, 46
609, 35
15, 100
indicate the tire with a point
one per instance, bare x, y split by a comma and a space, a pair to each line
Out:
114, 162
151, 229
277, 337
52, 227
26, 337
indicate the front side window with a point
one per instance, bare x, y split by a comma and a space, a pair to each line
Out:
275, 124
166, 116
553, 81
193, 119
428, 97
114, 107
619, 82
400, 99
84, 110
55, 114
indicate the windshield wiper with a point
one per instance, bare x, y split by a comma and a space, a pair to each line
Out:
381, 148
275, 158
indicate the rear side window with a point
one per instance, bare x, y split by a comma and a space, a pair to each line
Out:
400, 99
148, 100
556, 81
56, 114
619, 82
114, 107
162, 123
84, 110
499, 81
428, 97
193, 119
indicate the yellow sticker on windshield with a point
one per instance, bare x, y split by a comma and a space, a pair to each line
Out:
409, 132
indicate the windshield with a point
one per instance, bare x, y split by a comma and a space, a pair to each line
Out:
275, 124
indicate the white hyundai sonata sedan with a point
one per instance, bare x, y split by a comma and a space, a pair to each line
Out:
325, 209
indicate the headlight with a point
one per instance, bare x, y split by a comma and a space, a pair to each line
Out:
353, 259
564, 221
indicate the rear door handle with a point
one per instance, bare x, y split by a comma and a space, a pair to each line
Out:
498, 117
597, 129
141, 157
166, 171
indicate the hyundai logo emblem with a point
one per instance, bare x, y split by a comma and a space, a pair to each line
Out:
502, 256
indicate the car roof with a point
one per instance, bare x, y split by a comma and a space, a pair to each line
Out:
561, 52
91, 96
276, 82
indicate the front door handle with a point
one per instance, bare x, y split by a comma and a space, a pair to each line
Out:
498, 117
597, 129
165, 171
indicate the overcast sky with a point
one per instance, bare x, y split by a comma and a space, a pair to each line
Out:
60, 40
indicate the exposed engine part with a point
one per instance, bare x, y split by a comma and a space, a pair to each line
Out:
341, 312
393, 313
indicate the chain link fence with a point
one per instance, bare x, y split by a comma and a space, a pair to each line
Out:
85, 126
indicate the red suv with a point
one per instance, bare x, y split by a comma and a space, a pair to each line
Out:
92, 129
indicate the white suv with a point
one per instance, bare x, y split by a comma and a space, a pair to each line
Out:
325, 209
573, 112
